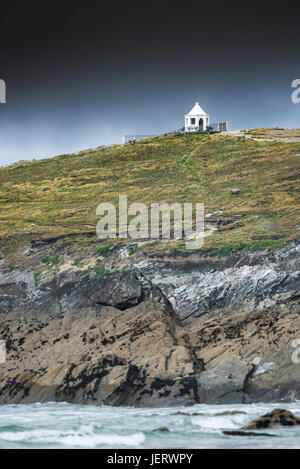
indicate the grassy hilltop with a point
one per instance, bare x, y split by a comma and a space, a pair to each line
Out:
58, 196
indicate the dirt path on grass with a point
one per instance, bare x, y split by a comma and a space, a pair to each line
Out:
272, 136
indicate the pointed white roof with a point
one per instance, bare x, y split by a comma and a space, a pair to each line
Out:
196, 111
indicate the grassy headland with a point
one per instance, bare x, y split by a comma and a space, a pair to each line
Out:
58, 196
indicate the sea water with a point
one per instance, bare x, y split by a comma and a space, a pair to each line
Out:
62, 425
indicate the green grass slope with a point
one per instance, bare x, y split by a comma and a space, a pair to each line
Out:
59, 196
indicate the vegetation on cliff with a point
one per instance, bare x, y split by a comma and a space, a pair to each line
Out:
58, 196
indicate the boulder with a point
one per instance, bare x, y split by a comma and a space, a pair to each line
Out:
275, 418
118, 290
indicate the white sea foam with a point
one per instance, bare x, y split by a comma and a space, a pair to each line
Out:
89, 441
220, 421
73, 438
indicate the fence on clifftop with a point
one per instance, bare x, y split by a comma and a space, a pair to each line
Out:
213, 127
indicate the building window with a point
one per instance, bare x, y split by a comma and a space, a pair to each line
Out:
193, 120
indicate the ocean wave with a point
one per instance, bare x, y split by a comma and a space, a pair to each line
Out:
73, 426
219, 422
77, 438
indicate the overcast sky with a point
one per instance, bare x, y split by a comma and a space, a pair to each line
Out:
83, 76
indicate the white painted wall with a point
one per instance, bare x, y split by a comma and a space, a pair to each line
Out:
196, 118
189, 127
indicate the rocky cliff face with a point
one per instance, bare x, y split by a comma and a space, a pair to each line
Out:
159, 331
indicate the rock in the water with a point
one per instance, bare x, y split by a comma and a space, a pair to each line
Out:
275, 418
240, 433
229, 412
161, 429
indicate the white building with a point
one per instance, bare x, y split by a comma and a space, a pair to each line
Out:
196, 120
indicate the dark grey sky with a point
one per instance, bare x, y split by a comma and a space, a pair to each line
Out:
81, 76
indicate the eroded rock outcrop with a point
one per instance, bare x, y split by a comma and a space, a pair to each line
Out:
160, 331
138, 357
199, 284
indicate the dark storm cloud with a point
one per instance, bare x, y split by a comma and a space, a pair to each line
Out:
81, 76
